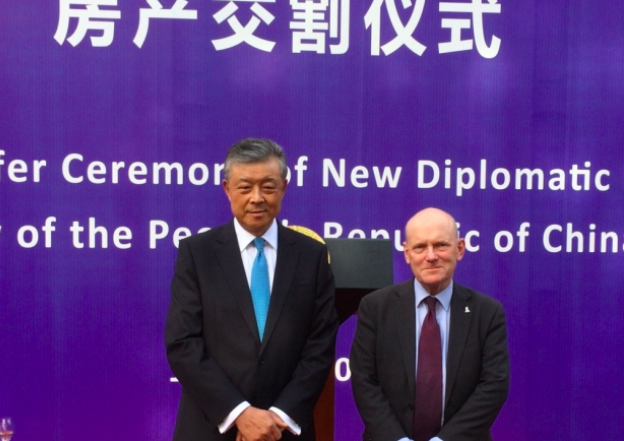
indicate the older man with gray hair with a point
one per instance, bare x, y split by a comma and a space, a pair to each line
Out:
251, 326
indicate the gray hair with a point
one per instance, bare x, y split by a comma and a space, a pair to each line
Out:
253, 150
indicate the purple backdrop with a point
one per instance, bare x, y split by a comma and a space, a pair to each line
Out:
117, 113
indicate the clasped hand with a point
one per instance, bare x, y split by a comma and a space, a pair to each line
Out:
255, 424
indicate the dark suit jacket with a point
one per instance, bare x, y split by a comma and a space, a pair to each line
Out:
383, 364
212, 339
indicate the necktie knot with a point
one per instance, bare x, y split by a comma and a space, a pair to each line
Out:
431, 301
259, 244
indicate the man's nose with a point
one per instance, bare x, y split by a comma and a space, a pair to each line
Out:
431, 253
256, 195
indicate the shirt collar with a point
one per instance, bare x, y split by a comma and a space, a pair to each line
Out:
245, 237
443, 297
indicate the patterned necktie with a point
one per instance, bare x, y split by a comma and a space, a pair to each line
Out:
260, 287
428, 391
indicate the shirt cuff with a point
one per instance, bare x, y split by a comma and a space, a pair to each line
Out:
229, 421
292, 426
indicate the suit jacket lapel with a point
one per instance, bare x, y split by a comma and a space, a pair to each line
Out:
285, 266
461, 317
406, 314
229, 257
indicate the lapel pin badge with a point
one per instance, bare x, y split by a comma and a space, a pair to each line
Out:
467, 310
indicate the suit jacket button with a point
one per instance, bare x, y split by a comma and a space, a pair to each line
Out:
261, 362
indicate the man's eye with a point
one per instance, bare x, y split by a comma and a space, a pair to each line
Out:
442, 246
419, 249
269, 188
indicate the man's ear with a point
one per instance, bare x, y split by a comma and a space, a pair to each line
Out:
406, 252
226, 189
461, 248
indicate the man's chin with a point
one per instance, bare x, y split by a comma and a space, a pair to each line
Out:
434, 285
432, 276
257, 226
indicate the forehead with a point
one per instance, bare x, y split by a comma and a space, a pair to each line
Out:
256, 171
431, 230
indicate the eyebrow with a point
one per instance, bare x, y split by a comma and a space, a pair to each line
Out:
267, 179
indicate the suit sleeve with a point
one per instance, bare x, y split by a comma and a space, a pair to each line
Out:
475, 417
201, 377
298, 398
380, 420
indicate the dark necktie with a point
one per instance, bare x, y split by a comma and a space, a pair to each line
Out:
260, 287
428, 391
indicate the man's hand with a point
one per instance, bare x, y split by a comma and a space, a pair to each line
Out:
259, 425
279, 422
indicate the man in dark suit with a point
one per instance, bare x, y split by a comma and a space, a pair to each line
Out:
250, 369
429, 360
